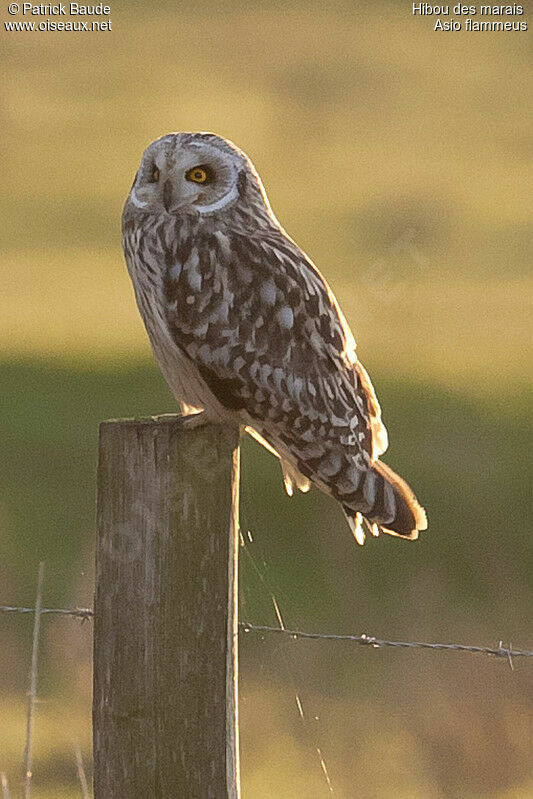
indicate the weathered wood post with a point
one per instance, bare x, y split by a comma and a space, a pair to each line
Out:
165, 636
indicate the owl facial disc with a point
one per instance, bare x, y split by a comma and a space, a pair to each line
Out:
181, 171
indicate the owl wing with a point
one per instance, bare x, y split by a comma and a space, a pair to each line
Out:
263, 329
267, 336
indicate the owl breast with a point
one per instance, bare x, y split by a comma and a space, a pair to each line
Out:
150, 275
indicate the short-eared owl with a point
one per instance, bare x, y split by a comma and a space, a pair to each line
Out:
246, 329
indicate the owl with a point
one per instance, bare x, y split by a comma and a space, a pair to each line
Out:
247, 332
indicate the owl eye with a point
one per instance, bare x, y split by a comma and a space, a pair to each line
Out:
200, 174
154, 175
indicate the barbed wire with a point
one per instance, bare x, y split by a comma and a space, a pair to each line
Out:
363, 639
377, 643
81, 613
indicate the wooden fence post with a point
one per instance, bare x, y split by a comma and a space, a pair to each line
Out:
165, 635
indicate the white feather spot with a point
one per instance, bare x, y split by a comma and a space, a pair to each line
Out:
349, 440
370, 488
266, 371
205, 354
193, 260
277, 376
221, 356
285, 317
224, 244
194, 278
297, 387
316, 341
201, 330
331, 465
267, 292
135, 200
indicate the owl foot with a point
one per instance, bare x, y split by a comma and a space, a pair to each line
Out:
187, 421
193, 420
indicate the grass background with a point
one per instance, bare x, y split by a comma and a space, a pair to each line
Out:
400, 159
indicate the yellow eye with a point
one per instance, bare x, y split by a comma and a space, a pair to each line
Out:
200, 174
154, 177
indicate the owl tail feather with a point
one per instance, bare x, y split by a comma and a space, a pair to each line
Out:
387, 504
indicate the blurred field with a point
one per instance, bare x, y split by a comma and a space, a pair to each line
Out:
400, 159
388, 718
462, 334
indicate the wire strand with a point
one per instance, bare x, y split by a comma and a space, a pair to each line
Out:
377, 643
363, 639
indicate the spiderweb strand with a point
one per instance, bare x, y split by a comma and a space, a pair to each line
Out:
363, 640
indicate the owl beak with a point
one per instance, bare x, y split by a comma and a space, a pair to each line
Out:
167, 195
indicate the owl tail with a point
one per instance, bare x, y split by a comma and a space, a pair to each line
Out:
387, 504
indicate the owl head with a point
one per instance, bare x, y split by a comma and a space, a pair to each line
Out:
199, 173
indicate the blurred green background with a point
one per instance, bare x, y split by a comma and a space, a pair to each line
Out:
400, 159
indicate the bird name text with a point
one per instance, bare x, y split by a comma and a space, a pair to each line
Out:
426, 9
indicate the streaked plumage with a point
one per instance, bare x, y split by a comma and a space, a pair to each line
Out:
244, 327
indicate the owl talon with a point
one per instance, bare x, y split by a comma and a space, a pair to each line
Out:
192, 421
